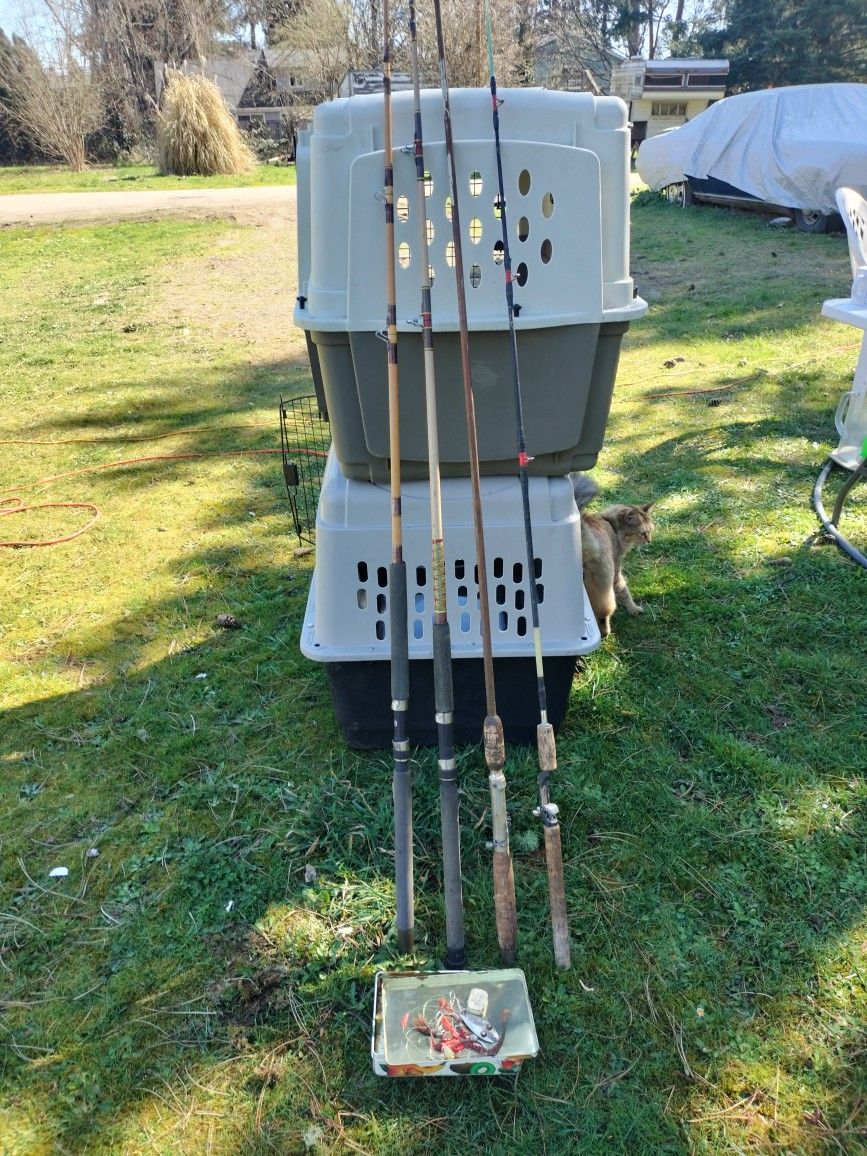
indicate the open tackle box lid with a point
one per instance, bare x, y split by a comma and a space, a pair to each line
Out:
451, 1023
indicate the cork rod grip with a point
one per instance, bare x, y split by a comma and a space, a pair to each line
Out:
504, 906
557, 898
547, 748
504, 879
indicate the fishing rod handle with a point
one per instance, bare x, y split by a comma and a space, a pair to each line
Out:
505, 911
399, 640
444, 695
495, 744
548, 812
403, 857
450, 830
401, 781
547, 748
557, 897
504, 906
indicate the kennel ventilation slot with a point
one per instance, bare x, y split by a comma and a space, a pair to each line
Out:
347, 616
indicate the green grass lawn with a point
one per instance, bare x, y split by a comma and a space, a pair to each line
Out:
190, 988
114, 178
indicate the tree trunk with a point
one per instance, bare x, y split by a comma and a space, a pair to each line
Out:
633, 34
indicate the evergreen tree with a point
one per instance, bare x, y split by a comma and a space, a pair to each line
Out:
771, 43
15, 145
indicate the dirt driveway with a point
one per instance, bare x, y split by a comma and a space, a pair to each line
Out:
251, 206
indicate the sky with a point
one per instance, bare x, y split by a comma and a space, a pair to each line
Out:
11, 17
8, 15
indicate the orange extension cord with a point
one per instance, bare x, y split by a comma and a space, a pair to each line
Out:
16, 505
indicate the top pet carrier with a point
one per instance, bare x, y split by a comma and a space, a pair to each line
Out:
566, 171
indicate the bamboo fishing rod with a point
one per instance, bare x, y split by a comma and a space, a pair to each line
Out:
494, 746
397, 600
442, 642
547, 811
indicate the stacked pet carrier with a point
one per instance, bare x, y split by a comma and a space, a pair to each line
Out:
565, 159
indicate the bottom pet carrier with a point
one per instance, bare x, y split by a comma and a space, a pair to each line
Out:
346, 625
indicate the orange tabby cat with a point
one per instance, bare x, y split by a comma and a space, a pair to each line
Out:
606, 539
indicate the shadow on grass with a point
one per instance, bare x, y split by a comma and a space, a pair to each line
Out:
195, 986
155, 406
197, 975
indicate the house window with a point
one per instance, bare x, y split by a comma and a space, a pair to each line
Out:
664, 80
697, 80
668, 108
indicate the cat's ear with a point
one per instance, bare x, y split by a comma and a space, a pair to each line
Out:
648, 506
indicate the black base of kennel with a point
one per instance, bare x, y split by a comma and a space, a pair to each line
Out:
361, 693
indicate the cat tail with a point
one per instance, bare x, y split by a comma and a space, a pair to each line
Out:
584, 489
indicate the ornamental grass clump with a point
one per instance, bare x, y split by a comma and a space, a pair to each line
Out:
197, 134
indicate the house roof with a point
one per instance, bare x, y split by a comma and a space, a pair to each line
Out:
233, 73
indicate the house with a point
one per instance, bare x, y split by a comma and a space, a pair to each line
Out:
581, 68
260, 86
663, 94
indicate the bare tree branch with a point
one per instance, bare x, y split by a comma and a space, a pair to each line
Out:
53, 98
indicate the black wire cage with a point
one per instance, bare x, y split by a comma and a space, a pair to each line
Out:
304, 440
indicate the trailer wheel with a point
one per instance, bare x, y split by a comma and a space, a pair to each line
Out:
810, 221
680, 194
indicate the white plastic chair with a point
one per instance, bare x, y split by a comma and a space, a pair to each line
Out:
851, 416
853, 210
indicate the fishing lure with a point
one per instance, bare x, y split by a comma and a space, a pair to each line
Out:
453, 1028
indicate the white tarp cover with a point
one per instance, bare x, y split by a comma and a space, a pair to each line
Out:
789, 146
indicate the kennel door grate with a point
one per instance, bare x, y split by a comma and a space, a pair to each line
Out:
304, 441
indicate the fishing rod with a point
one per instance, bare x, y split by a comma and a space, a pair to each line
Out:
494, 744
444, 704
547, 811
401, 783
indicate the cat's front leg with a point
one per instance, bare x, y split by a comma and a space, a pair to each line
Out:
625, 599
